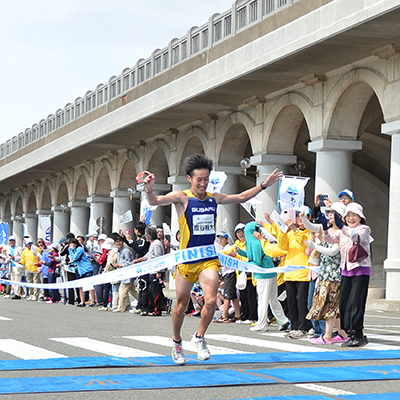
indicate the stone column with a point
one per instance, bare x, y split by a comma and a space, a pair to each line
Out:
101, 207
61, 222
31, 221
392, 263
122, 203
158, 215
230, 212
18, 230
267, 163
79, 212
178, 183
40, 232
333, 169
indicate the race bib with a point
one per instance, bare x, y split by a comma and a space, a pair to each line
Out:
203, 224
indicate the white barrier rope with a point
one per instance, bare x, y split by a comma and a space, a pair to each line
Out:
158, 264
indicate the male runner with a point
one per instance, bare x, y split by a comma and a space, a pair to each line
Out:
197, 212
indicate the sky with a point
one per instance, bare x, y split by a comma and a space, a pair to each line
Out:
53, 51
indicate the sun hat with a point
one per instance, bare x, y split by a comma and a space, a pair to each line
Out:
356, 209
338, 207
103, 236
54, 246
108, 244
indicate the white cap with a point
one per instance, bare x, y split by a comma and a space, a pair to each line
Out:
339, 207
54, 246
28, 240
11, 238
356, 209
239, 226
103, 236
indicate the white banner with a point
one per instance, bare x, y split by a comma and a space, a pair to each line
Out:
45, 224
158, 264
250, 205
126, 218
166, 229
291, 191
93, 227
216, 181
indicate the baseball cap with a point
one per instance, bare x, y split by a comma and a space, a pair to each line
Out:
223, 234
239, 226
103, 236
346, 192
11, 238
28, 240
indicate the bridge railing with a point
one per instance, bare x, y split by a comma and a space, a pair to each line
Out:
242, 15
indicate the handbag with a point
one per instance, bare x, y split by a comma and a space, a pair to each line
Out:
357, 253
241, 281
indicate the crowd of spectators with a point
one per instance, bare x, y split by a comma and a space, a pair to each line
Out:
300, 302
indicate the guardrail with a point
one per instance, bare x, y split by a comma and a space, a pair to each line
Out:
242, 15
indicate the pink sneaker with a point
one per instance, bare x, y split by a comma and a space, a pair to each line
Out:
340, 339
320, 340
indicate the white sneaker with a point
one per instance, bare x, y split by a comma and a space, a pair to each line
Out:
103, 309
297, 334
201, 346
311, 332
178, 357
258, 329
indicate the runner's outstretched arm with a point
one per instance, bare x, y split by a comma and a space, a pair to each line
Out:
248, 194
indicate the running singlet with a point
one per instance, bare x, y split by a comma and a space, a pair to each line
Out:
197, 224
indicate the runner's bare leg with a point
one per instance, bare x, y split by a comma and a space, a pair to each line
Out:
209, 284
183, 288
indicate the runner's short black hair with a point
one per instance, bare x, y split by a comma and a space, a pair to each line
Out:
197, 161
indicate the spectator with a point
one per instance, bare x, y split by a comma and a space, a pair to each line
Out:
70, 271
14, 256
111, 258
84, 269
156, 249
197, 298
30, 259
140, 247
126, 286
229, 276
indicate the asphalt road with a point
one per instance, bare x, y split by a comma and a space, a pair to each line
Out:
51, 327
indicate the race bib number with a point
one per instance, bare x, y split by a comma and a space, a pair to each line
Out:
203, 224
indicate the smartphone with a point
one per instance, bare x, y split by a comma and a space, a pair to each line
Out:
289, 214
128, 232
257, 228
141, 177
322, 198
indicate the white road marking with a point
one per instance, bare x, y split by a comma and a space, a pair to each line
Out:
380, 316
26, 351
188, 346
110, 349
390, 338
324, 389
5, 319
382, 330
289, 345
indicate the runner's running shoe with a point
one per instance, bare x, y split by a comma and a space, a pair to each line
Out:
201, 346
177, 353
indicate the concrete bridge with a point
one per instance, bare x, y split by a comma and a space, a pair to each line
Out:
278, 81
